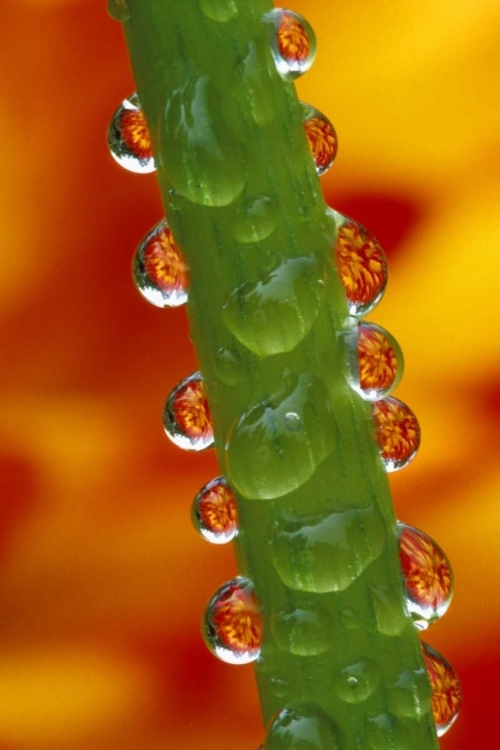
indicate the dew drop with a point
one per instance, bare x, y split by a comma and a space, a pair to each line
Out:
385, 731
219, 10
321, 137
186, 417
119, 9
293, 43
397, 432
293, 422
159, 270
255, 87
376, 361
305, 630
265, 459
129, 140
446, 689
410, 696
232, 625
228, 366
328, 551
275, 313
256, 220
355, 682
361, 263
302, 725
388, 608
280, 686
427, 576
214, 512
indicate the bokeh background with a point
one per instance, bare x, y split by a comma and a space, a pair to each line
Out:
102, 579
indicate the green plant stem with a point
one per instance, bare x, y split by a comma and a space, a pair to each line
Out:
267, 314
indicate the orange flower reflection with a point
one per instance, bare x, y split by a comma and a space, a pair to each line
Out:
322, 141
293, 42
377, 360
135, 133
426, 570
217, 508
446, 689
237, 619
191, 412
164, 263
361, 263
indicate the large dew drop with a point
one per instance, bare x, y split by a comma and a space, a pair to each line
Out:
293, 43
376, 361
255, 220
214, 512
446, 690
397, 432
321, 137
427, 576
129, 140
305, 630
159, 270
186, 417
232, 625
303, 725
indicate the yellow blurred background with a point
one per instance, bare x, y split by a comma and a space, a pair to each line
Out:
102, 579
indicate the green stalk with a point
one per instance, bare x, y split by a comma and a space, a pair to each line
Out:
340, 655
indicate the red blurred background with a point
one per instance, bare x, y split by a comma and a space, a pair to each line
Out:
102, 579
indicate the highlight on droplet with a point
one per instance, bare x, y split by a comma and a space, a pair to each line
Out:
446, 689
321, 137
214, 512
159, 270
186, 417
293, 42
397, 432
375, 360
129, 140
232, 625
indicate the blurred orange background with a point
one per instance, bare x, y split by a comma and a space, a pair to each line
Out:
102, 579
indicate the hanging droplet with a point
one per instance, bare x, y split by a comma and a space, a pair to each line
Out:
159, 270
322, 138
361, 264
215, 512
293, 43
427, 576
397, 432
446, 689
129, 140
232, 625
186, 417
376, 361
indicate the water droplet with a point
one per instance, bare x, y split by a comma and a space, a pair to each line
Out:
389, 611
322, 138
256, 220
355, 682
293, 43
159, 270
384, 732
293, 422
186, 417
119, 9
376, 361
305, 630
274, 314
280, 686
254, 86
361, 264
219, 10
327, 551
215, 513
265, 459
129, 140
410, 695
446, 689
397, 432
204, 161
302, 725
232, 626
427, 576
228, 366
350, 619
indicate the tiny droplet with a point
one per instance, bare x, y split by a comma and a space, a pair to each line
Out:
215, 512
119, 9
397, 432
322, 138
186, 417
446, 690
129, 140
159, 270
293, 43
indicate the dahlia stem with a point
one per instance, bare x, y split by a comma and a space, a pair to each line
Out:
340, 654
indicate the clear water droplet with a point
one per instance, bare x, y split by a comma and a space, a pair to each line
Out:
305, 630
355, 682
129, 140
186, 417
302, 725
232, 626
293, 422
159, 270
410, 697
427, 576
361, 263
228, 366
397, 432
275, 313
256, 220
321, 137
265, 459
119, 9
446, 689
376, 361
255, 87
328, 551
214, 512
280, 686
219, 10
385, 731
389, 612
293, 43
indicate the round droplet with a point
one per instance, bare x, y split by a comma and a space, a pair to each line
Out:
322, 138
355, 682
427, 576
446, 690
328, 551
361, 264
293, 422
280, 686
186, 417
119, 9
410, 696
219, 10
397, 432
305, 630
293, 43
386, 731
274, 314
232, 626
376, 361
215, 513
129, 140
256, 220
159, 270
228, 365
302, 725
389, 611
